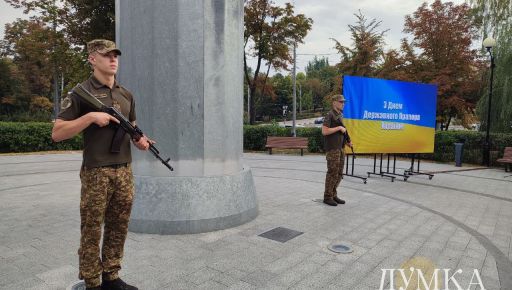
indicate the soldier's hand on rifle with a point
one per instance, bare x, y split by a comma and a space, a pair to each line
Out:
102, 119
342, 129
350, 145
143, 143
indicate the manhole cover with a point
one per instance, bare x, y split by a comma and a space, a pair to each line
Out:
78, 285
340, 248
281, 234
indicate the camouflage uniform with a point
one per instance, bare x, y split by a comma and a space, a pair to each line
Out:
106, 177
106, 198
335, 154
335, 164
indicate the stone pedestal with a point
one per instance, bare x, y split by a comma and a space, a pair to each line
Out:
182, 60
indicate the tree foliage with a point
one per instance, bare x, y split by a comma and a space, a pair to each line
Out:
440, 53
80, 20
270, 31
50, 47
13, 87
321, 81
367, 55
495, 17
364, 57
26, 42
443, 34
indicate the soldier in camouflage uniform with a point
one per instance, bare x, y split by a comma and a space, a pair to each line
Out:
335, 138
107, 180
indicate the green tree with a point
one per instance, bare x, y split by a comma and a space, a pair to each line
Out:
38, 51
315, 67
393, 66
50, 48
80, 20
368, 47
495, 18
270, 31
265, 97
88, 20
26, 42
283, 89
12, 89
317, 90
322, 81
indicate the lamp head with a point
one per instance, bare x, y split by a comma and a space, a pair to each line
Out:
489, 43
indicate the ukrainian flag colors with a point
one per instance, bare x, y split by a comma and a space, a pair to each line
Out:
386, 116
370, 137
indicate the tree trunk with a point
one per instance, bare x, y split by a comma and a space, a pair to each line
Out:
252, 111
448, 123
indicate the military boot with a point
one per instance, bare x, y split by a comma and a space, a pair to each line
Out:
338, 200
330, 201
116, 284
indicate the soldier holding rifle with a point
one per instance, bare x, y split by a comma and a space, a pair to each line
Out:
106, 176
335, 138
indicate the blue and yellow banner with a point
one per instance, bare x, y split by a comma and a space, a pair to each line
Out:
386, 116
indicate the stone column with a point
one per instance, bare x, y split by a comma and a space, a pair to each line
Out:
182, 60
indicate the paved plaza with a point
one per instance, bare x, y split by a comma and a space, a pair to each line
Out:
461, 219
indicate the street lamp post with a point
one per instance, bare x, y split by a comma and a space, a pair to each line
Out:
488, 43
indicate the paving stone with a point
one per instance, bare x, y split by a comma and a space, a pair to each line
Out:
40, 229
259, 278
60, 277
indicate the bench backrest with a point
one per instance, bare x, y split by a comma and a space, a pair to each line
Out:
287, 141
507, 153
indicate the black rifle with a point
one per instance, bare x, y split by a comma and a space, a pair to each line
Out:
125, 126
347, 137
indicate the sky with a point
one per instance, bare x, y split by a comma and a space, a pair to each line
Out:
332, 17
8, 15
330, 20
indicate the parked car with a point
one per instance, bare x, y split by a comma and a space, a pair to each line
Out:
319, 120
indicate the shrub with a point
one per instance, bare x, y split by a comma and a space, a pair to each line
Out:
36, 136
32, 137
444, 149
255, 137
315, 138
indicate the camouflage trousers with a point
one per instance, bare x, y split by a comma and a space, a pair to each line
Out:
335, 163
106, 199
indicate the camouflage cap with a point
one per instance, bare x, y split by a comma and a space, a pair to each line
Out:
102, 46
339, 98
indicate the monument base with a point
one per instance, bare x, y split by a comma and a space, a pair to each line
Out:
189, 205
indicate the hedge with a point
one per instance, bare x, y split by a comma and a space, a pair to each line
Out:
444, 149
256, 136
34, 136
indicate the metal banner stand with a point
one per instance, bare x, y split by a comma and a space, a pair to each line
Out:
404, 176
352, 170
380, 173
411, 171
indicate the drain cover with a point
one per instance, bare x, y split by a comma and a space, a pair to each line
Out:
340, 248
281, 234
78, 285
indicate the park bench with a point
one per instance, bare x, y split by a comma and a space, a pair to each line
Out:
287, 143
507, 157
